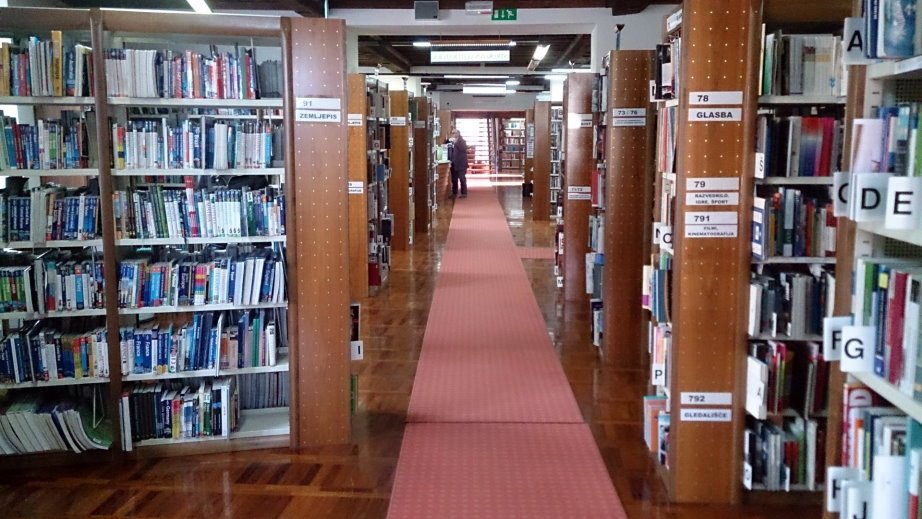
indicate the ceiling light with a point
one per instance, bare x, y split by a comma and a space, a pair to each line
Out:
555, 77
485, 89
569, 70
199, 6
472, 76
473, 43
424, 44
512, 43
469, 56
513, 82
540, 52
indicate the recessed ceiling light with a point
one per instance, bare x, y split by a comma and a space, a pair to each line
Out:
485, 89
199, 6
555, 77
513, 82
472, 76
423, 44
540, 52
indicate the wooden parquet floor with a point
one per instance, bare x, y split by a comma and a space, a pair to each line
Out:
354, 481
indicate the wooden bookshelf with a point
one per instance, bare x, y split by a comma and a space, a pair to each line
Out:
580, 161
541, 191
399, 200
422, 174
442, 170
628, 205
529, 170
317, 253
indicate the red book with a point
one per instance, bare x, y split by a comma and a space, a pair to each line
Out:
828, 131
893, 341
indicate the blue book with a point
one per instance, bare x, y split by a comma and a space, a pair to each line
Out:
898, 23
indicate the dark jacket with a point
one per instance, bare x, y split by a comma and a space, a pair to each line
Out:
457, 154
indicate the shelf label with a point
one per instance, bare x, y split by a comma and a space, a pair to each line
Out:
714, 115
734, 97
318, 116
398, 121
712, 198
699, 398
625, 117
579, 121
318, 103
579, 193
853, 41
835, 476
747, 475
712, 184
760, 165
858, 349
658, 374
356, 187
841, 190
653, 98
706, 415
832, 336
355, 119
711, 217
673, 21
419, 124
559, 281
357, 350
711, 231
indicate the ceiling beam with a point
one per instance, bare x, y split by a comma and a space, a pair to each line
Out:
387, 51
564, 59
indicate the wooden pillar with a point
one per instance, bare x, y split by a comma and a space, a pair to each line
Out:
358, 172
399, 194
578, 167
628, 194
711, 273
317, 225
421, 172
541, 194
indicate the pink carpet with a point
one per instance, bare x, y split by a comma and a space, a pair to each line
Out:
494, 428
486, 354
546, 253
502, 471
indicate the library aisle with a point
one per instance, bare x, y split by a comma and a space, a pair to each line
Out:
494, 428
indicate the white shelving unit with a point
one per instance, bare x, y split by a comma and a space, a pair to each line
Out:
254, 423
144, 172
57, 382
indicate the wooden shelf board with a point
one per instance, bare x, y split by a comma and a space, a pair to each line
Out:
47, 100
57, 382
33, 173
795, 181
213, 307
195, 103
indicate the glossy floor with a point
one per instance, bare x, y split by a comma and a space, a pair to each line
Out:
354, 481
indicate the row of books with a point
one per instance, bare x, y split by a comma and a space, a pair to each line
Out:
175, 410
790, 304
187, 75
891, 28
595, 261
36, 67
158, 144
210, 340
32, 422
799, 146
48, 144
888, 296
660, 342
38, 353
656, 425
667, 76
596, 320
779, 457
218, 212
888, 143
881, 459
666, 139
236, 277
791, 224
49, 213
657, 284
808, 64
782, 378
264, 390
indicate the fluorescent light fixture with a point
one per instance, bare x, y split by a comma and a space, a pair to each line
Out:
555, 77
472, 76
469, 56
485, 89
423, 44
513, 82
447, 44
199, 6
512, 43
569, 70
540, 52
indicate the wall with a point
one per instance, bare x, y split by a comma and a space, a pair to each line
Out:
459, 101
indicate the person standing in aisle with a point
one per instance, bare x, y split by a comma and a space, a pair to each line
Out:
457, 155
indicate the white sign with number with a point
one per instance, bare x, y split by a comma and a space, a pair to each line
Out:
734, 97
712, 184
711, 217
318, 103
715, 115
699, 398
355, 119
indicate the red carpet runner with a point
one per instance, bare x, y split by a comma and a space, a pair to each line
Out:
494, 428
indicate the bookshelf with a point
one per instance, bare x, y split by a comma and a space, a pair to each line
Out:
315, 413
400, 199
628, 203
443, 173
529, 167
558, 155
422, 170
541, 190
369, 178
512, 145
579, 121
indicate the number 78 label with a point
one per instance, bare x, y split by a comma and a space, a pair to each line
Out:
716, 98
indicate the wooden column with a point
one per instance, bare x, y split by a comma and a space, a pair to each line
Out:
317, 224
541, 194
628, 202
711, 274
421, 172
577, 170
399, 187
358, 202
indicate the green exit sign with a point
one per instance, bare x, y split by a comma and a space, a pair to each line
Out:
505, 15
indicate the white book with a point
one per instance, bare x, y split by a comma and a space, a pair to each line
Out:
258, 270
889, 489
271, 344
12, 436
249, 266
911, 331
